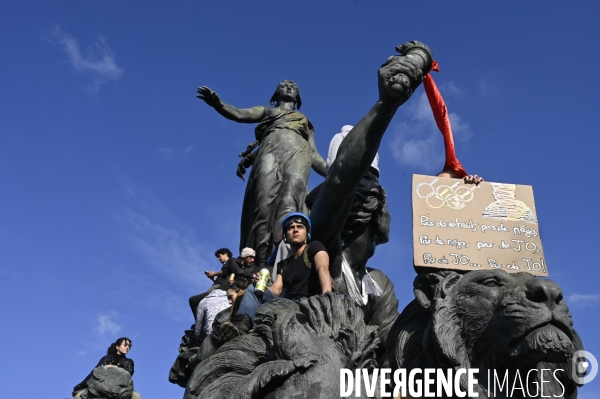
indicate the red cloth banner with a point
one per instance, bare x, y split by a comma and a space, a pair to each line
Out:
440, 113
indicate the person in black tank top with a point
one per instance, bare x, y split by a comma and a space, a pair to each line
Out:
305, 274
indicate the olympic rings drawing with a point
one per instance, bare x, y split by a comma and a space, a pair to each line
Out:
454, 197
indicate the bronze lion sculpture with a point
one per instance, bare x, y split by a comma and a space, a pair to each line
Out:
503, 323
295, 351
109, 383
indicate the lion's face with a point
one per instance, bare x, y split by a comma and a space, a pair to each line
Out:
504, 318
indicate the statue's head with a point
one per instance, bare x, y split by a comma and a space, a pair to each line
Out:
109, 382
491, 320
287, 90
369, 212
511, 318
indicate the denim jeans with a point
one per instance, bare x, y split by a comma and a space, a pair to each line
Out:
251, 302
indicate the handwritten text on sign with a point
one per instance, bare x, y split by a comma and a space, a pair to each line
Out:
468, 227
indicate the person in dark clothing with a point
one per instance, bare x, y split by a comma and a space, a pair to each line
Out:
246, 263
229, 266
115, 357
224, 256
304, 274
242, 265
298, 282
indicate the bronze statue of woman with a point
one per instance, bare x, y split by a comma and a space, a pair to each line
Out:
280, 166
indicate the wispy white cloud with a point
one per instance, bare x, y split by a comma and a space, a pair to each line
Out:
170, 152
168, 249
451, 88
105, 329
417, 141
583, 299
154, 293
171, 249
415, 147
98, 61
487, 86
106, 325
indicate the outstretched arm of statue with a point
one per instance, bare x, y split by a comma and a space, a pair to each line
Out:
318, 163
242, 115
397, 79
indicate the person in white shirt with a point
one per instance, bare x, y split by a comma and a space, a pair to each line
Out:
334, 145
208, 308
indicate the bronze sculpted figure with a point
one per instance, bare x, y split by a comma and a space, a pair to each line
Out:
280, 166
109, 382
512, 324
295, 351
350, 214
505, 323
304, 345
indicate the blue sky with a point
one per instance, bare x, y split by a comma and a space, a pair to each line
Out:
117, 184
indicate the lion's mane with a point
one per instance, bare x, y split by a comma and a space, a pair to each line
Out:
295, 350
452, 325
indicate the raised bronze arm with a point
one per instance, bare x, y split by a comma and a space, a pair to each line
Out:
241, 115
398, 77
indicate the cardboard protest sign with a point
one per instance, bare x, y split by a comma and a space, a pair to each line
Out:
467, 227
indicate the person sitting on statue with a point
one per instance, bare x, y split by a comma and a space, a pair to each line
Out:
238, 287
280, 166
233, 292
208, 308
228, 263
228, 266
246, 264
116, 356
304, 274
